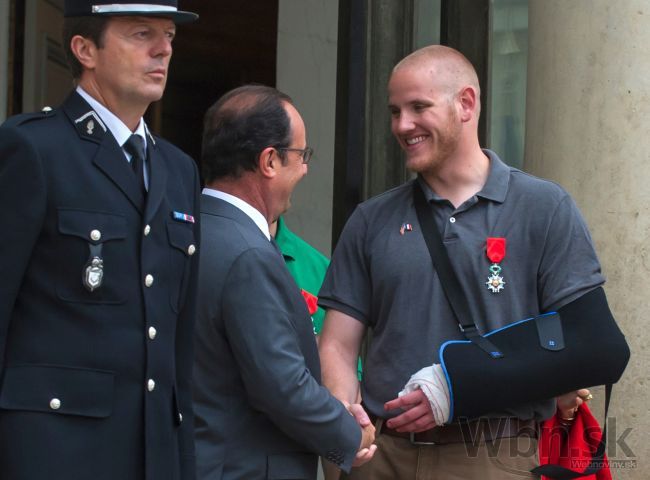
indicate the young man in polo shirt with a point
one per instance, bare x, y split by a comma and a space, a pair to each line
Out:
381, 277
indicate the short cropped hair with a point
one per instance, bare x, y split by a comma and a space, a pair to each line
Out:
451, 69
241, 124
88, 27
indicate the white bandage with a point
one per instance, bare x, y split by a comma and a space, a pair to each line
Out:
431, 380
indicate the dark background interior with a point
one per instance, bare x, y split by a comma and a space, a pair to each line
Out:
232, 43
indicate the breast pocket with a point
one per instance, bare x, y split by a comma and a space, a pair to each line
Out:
105, 233
181, 239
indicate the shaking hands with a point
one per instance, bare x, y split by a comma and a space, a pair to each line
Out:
367, 448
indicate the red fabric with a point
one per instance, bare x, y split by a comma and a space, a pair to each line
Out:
311, 300
572, 449
496, 249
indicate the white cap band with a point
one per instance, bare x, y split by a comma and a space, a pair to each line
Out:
134, 7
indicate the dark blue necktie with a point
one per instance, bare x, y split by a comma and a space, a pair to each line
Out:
135, 147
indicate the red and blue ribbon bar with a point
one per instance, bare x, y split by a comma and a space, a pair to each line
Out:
182, 217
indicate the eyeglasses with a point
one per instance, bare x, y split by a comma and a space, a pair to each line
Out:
305, 153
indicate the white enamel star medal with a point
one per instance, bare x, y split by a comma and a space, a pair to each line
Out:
495, 282
496, 252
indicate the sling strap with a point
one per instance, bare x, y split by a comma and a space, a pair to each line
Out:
448, 278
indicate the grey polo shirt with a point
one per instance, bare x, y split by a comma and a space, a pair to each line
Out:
381, 272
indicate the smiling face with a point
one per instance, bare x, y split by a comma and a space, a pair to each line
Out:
292, 169
424, 118
132, 66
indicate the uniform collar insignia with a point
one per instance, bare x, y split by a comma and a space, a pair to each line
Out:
89, 125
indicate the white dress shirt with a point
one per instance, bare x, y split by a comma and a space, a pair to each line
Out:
247, 208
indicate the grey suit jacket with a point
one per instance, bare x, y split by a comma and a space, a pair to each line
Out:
260, 409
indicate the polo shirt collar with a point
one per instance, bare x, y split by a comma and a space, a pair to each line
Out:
495, 188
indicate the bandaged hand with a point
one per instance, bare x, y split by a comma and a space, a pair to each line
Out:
431, 380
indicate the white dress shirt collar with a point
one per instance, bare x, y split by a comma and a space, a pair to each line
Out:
118, 129
247, 208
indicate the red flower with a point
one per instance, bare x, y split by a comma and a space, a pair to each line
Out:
310, 300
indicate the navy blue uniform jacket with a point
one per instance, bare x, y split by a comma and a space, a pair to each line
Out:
94, 385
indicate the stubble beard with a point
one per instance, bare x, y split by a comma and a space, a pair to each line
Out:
444, 148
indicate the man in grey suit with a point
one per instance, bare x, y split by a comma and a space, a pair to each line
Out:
260, 409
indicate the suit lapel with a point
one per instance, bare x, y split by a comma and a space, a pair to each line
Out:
109, 157
157, 178
111, 161
301, 320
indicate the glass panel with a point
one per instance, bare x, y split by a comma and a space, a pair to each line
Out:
426, 23
507, 79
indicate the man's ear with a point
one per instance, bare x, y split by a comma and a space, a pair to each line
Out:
467, 99
85, 50
268, 162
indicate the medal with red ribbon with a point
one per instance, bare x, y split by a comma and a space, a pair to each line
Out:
496, 251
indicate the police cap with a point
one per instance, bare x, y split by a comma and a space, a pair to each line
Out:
145, 8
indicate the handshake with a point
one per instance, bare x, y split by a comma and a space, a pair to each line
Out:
367, 448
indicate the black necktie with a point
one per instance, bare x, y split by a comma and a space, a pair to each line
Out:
135, 147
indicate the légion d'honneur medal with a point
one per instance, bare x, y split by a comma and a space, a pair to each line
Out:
496, 252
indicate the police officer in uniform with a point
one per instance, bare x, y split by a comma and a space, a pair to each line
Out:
98, 256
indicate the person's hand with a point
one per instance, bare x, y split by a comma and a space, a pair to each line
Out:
417, 416
367, 448
365, 454
359, 414
568, 403
367, 428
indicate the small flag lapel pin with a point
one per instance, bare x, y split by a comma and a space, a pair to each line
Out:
406, 227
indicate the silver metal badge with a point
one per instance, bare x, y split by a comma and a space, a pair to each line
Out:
94, 274
90, 126
495, 281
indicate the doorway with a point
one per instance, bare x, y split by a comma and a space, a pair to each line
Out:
231, 44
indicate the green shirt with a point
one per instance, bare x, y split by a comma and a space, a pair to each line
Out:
306, 264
